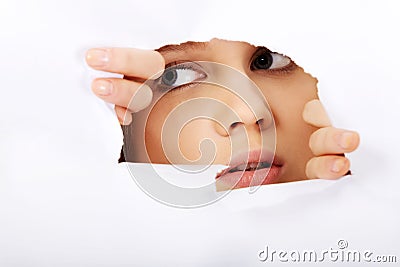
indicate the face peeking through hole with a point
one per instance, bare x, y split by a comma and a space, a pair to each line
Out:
230, 103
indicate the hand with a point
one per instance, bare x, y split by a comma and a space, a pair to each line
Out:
328, 144
127, 95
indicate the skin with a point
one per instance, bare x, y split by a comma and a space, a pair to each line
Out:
305, 140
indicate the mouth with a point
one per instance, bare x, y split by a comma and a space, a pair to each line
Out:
251, 166
250, 169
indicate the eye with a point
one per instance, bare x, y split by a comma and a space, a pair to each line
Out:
179, 75
263, 59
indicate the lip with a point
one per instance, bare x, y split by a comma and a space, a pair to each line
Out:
238, 179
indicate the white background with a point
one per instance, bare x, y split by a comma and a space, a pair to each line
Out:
64, 201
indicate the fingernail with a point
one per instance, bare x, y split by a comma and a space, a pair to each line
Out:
337, 165
97, 57
346, 139
102, 87
141, 99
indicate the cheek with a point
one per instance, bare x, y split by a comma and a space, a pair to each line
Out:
188, 138
153, 131
192, 143
287, 97
183, 141
201, 144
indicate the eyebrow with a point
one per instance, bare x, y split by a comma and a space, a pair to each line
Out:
190, 45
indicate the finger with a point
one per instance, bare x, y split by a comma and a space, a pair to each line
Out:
315, 114
330, 140
129, 61
128, 94
124, 116
327, 167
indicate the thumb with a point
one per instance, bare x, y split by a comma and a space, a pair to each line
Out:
314, 113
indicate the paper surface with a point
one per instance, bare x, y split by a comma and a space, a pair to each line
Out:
65, 202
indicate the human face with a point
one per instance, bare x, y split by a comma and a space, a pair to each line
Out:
285, 87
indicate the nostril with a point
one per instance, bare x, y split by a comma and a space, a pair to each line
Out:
264, 123
260, 122
235, 124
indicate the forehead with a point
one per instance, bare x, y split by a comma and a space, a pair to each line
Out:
183, 47
214, 47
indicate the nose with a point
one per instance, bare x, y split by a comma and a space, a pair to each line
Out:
253, 115
260, 123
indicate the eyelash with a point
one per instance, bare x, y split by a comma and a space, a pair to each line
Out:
276, 71
165, 88
182, 86
282, 71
